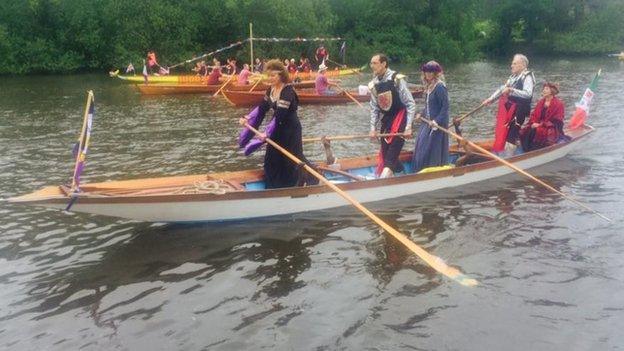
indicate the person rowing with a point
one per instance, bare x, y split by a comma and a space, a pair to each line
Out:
322, 85
284, 129
515, 104
432, 145
391, 98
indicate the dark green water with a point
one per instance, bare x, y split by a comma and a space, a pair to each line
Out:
551, 275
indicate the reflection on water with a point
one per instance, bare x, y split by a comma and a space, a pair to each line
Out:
550, 273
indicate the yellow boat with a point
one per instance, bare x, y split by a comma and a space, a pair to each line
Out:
195, 79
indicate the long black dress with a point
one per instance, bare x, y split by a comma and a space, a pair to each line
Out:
279, 170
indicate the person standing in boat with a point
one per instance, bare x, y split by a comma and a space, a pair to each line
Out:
279, 170
545, 126
517, 93
321, 54
391, 98
152, 63
432, 145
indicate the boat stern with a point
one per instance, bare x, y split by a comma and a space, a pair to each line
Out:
39, 197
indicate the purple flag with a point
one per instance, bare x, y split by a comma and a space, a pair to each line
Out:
82, 146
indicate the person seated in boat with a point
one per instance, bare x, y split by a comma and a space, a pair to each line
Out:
515, 105
304, 65
152, 63
243, 76
232, 67
279, 170
292, 66
323, 85
545, 126
391, 98
215, 74
201, 69
258, 66
432, 145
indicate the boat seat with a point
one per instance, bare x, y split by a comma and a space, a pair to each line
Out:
233, 183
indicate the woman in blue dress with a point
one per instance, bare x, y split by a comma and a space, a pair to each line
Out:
432, 145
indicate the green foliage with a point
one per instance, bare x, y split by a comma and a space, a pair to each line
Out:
73, 35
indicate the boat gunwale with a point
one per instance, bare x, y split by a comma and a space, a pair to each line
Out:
301, 191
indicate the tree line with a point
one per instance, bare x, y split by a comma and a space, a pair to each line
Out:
54, 36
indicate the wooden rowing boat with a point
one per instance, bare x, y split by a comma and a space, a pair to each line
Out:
241, 195
195, 79
306, 97
167, 89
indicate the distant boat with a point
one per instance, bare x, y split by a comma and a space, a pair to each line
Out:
242, 195
167, 89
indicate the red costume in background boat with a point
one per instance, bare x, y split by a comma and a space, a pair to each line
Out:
551, 125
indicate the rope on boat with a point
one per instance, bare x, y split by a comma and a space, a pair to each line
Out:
218, 187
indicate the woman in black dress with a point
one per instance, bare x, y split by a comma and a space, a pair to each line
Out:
279, 170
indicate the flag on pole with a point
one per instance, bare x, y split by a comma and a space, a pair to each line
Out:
582, 107
82, 146
343, 50
144, 72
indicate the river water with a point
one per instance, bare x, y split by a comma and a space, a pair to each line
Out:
551, 276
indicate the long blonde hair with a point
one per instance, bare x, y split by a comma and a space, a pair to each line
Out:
437, 77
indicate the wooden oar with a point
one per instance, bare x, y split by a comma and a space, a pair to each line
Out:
350, 96
351, 137
223, 86
434, 261
255, 85
458, 120
514, 167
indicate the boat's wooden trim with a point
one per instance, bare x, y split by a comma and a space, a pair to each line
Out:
54, 195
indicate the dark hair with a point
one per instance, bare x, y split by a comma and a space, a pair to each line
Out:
382, 58
277, 65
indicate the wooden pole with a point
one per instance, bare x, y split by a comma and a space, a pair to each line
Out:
435, 262
458, 120
515, 168
251, 64
81, 141
255, 85
350, 96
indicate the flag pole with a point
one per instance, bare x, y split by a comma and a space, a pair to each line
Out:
81, 141
251, 64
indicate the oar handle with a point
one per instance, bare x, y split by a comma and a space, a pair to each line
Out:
435, 262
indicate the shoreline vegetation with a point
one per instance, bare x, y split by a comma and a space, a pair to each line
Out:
70, 36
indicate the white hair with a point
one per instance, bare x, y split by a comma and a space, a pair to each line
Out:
522, 58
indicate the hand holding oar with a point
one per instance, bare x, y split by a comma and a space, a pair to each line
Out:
349, 96
434, 125
434, 261
223, 86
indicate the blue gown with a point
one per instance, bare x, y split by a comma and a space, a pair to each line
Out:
432, 147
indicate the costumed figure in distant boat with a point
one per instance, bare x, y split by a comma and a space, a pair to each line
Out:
284, 129
152, 63
322, 85
545, 126
391, 98
514, 105
432, 145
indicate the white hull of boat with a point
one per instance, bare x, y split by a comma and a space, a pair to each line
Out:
265, 206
